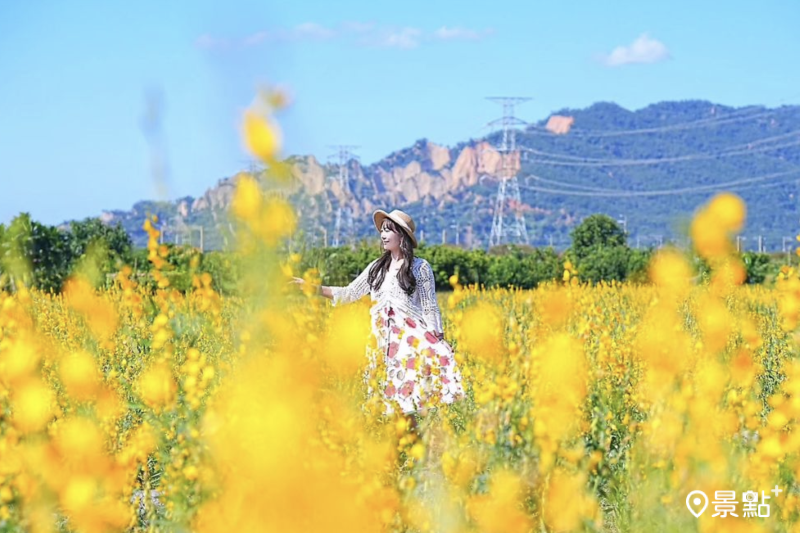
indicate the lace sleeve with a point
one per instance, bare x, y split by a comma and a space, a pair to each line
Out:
430, 307
353, 292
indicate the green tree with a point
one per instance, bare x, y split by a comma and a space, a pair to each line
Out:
605, 263
757, 267
470, 265
34, 254
523, 267
224, 270
596, 231
600, 250
91, 231
105, 248
638, 263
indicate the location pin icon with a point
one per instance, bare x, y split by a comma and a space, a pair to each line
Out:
694, 500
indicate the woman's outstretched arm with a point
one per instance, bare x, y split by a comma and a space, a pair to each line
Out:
344, 295
357, 289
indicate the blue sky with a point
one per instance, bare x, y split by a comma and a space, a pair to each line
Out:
380, 75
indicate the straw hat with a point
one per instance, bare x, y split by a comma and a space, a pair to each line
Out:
399, 218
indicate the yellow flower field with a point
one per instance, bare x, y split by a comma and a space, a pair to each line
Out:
589, 408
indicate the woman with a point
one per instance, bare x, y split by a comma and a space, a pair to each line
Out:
420, 370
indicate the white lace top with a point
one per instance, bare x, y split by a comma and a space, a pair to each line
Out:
421, 304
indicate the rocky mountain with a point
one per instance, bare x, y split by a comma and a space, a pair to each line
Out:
649, 168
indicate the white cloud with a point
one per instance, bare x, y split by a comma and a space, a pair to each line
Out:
360, 33
256, 38
312, 30
308, 31
207, 41
357, 27
405, 38
643, 50
448, 34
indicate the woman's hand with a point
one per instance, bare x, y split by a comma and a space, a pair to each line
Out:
301, 283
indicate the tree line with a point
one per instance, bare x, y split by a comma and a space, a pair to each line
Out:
42, 256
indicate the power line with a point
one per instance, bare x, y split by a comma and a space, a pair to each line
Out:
568, 185
599, 162
748, 145
617, 193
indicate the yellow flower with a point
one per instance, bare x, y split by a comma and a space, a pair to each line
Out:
729, 210
715, 322
157, 386
347, 335
262, 137
79, 493
78, 373
482, 332
32, 406
79, 440
670, 269
709, 236
20, 359
500, 509
417, 451
277, 221
190, 472
556, 307
247, 200
568, 503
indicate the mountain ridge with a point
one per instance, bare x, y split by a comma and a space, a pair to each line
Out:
670, 145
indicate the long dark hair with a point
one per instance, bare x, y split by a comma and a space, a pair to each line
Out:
404, 276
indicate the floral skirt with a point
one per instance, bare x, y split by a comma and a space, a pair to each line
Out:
414, 369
